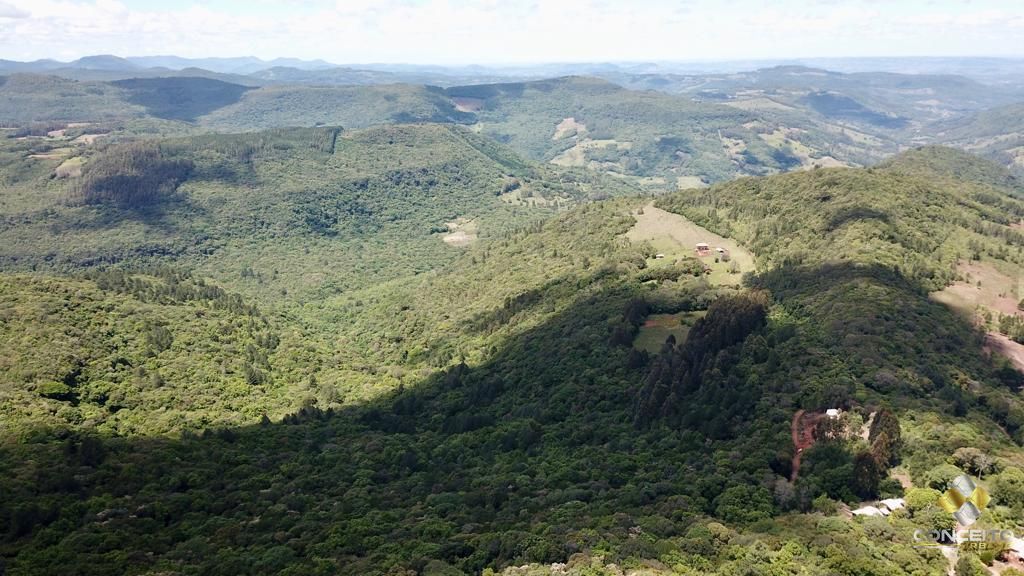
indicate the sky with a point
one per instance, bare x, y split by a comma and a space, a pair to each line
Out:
511, 31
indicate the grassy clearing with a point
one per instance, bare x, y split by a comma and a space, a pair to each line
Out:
569, 127
684, 182
675, 237
788, 139
461, 232
468, 104
983, 287
528, 196
70, 168
758, 104
658, 327
577, 155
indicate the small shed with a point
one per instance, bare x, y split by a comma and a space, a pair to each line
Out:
833, 413
659, 256
703, 249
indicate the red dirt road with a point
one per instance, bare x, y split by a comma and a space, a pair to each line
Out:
802, 431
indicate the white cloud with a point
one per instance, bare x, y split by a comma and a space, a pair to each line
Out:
11, 12
466, 31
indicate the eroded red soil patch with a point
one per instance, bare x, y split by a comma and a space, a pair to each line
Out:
802, 430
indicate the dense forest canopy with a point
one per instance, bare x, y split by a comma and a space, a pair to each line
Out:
266, 323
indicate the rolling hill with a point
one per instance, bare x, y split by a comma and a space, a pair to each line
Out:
660, 140
349, 106
494, 411
996, 133
286, 218
871, 100
594, 123
253, 325
28, 98
285, 191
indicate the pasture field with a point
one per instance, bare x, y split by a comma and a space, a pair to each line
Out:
658, 327
674, 236
982, 286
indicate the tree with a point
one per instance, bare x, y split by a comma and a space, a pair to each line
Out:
940, 476
885, 438
867, 473
970, 565
742, 503
1008, 488
133, 176
920, 498
974, 461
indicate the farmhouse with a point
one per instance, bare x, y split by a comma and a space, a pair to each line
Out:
703, 249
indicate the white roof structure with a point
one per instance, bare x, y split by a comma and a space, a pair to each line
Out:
894, 503
870, 511
884, 507
832, 412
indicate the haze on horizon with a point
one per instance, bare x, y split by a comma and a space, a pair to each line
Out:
510, 31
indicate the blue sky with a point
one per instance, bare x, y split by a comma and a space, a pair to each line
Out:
511, 31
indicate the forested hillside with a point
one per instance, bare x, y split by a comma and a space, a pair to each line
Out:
348, 106
590, 122
662, 141
254, 325
459, 407
288, 219
997, 133
28, 98
246, 206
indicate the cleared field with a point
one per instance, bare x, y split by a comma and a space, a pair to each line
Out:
468, 104
70, 168
569, 127
461, 232
1000, 344
983, 287
758, 104
526, 196
577, 155
786, 137
675, 237
685, 182
658, 327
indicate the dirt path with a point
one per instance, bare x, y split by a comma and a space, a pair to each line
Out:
802, 431
802, 439
794, 430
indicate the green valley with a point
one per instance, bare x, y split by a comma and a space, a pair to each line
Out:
417, 399
637, 318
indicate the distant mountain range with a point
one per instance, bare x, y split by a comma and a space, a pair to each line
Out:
251, 70
108, 62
